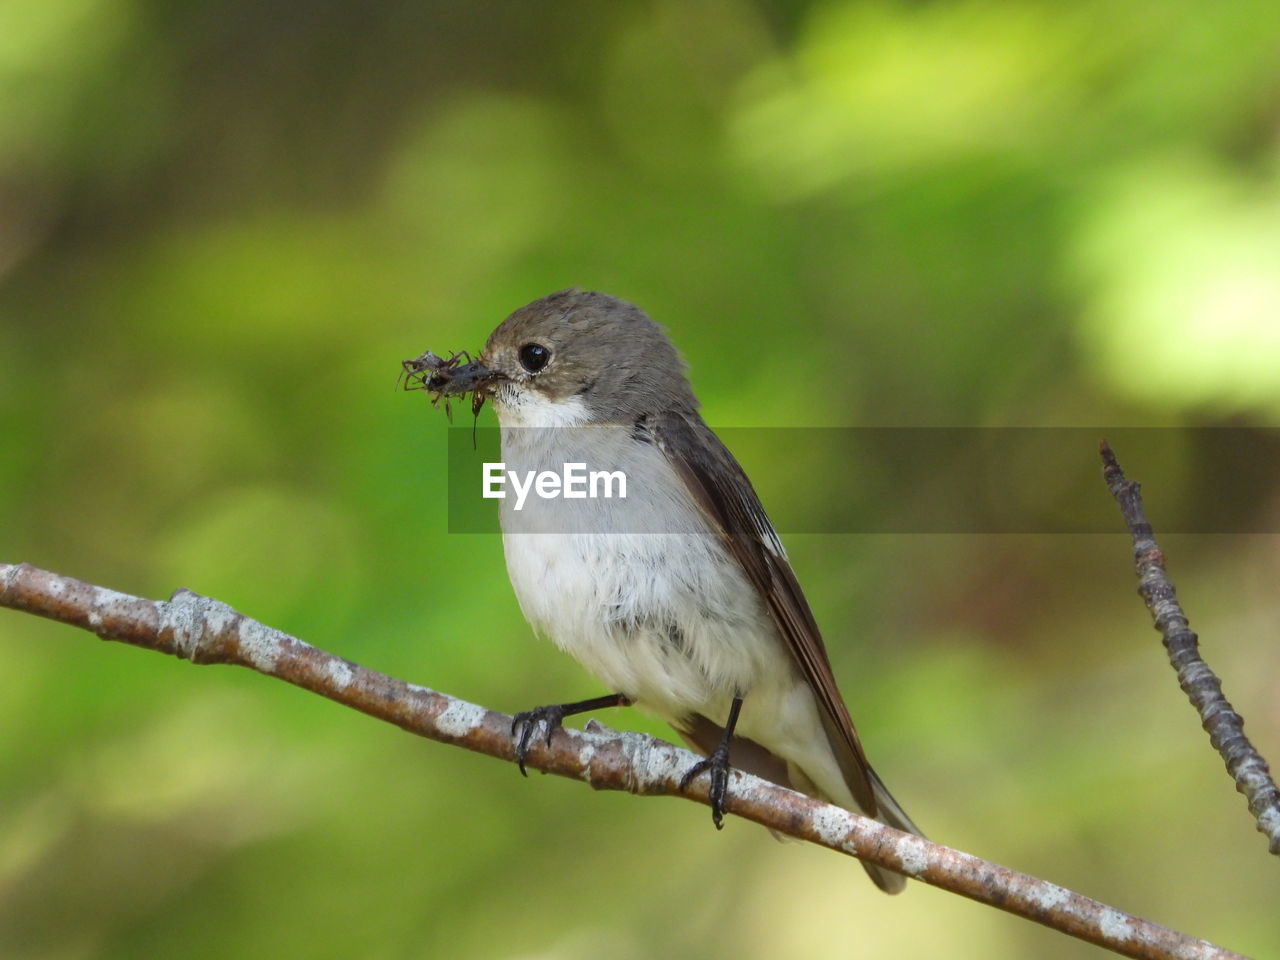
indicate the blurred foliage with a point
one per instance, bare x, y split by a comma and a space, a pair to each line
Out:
222, 225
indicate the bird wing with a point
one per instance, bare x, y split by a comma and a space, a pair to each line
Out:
720, 488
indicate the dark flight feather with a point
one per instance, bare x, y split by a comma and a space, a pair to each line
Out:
724, 493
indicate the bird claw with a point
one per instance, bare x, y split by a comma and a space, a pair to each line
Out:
718, 766
523, 725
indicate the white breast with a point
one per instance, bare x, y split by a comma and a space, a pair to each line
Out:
661, 616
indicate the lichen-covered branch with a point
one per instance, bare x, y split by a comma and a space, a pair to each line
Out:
202, 630
1225, 727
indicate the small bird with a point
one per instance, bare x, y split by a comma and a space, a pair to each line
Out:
679, 596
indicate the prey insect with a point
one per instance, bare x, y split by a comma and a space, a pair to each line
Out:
432, 374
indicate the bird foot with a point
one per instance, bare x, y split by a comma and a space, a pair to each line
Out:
524, 724
718, 766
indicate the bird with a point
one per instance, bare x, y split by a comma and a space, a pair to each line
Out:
679, 597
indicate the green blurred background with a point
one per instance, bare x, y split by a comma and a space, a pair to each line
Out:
222, 226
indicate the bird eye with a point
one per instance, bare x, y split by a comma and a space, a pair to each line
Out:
534, 356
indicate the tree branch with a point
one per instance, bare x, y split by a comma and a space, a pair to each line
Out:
203, 630
1224, 726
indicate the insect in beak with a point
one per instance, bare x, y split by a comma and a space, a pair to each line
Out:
444, 378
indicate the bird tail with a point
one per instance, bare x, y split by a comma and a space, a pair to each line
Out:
890, 813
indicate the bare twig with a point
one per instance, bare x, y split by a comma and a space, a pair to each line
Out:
1224, 726
202, 630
